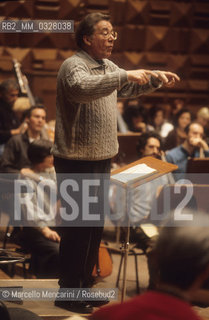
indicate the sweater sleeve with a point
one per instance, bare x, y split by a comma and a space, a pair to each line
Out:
82, 87
134, 89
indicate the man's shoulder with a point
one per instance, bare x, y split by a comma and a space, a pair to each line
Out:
83, 58
72, 62
176, 154
69, 60
78, 56
175, 151
18, 138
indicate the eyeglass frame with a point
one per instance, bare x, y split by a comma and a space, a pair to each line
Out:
106, 34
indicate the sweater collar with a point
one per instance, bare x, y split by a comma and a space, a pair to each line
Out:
91, 63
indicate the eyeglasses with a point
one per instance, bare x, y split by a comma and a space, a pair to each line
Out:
107, 34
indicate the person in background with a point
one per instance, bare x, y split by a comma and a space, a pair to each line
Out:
21, 107
182, 259
203, 119
194, 146
149, 144
135, 116
15, 156
38, 235
9, 123
157, 120
178, 135
203, 116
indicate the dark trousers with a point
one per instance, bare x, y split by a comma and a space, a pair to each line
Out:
44, 252
80, 244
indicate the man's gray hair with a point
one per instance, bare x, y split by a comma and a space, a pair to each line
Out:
7, 85
182, 251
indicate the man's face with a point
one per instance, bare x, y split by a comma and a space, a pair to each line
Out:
195, 133
37, 120
152, 148
100, 46
10, 96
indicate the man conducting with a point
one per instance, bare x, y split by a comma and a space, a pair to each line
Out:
88, 86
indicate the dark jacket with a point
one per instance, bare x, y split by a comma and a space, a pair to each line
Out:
15, 155
8, 121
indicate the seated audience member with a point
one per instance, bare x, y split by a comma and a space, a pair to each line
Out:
194, 147
21, 108
143, 197
38, 236
9, 123
203, 116
15, 155
158, 122
203, 119
182, 259
135, 117
177, 136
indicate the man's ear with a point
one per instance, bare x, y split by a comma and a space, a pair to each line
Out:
87, 40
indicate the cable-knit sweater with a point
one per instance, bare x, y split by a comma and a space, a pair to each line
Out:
86, 114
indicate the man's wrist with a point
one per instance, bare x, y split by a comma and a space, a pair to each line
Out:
156, 82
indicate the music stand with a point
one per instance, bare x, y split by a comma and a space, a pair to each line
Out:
160, 168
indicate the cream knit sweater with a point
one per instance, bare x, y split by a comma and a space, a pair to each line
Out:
86, 114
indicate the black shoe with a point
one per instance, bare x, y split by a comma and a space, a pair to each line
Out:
75, 306
98, 303
89, 283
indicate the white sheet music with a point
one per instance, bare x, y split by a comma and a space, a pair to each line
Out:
136, 172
